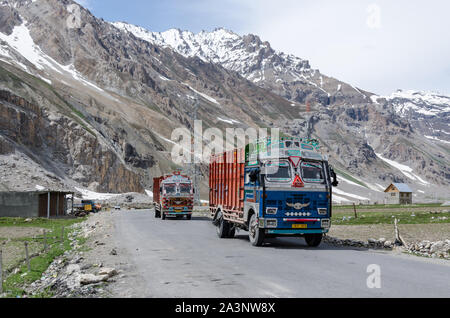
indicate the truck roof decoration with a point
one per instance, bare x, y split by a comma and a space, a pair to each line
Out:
288, 147
176, 177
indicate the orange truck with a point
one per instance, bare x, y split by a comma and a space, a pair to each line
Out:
173, 196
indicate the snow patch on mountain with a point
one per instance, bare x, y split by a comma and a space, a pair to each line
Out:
90, 195
424, 103
406, 170
354, 196
246, 55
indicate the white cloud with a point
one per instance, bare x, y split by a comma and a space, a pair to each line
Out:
379, 46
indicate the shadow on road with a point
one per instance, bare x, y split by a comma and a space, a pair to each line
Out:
194, 219
297, 243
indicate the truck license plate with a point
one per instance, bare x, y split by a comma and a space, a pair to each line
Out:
300, 226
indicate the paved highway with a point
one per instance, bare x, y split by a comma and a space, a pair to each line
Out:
179, 258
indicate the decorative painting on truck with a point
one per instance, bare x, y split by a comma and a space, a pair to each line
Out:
286, 192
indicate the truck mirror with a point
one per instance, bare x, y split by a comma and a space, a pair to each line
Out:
254, 175
335, 180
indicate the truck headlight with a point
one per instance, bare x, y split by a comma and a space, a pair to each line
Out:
326, 223
271, 211
271, 223
322, 211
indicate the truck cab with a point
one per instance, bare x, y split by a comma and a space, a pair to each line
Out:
286, 195
175, 197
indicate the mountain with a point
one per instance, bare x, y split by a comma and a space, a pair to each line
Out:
429, 112
125, 93
94, 104
287, 75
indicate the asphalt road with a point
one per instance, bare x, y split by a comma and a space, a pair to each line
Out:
179, 258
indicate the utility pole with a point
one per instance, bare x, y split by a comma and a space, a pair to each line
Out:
193, 165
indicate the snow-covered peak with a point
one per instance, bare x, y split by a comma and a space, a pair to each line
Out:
424, 103
247, 55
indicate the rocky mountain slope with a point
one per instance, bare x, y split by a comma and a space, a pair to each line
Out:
428, 112
94, 105
287, 75
126, 93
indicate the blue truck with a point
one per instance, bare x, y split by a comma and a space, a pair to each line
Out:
272, 194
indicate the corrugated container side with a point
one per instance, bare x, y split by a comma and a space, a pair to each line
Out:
226, 180
156, 186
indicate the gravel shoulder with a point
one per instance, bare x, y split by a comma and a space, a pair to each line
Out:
101, 251
412, 233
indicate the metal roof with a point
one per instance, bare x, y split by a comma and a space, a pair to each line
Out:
403, 187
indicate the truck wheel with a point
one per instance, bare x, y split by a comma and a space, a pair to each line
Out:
232, 232
189, 217
255, 234
313, 240
223, 229
163, 216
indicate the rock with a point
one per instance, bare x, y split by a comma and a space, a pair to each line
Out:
87, 279
372, 241
86, 267
382, 240
110, 272
113, 252
388, 244
29, 220
436, 247
72, 268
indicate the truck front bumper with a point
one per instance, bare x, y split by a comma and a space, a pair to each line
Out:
172, 213
295, 231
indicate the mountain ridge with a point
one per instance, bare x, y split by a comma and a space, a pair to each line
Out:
130, 94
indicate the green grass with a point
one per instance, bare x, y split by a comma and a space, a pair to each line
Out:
15, 283
39, 222
388, 206
404, 217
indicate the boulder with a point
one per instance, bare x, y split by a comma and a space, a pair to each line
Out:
110, 272
87, 279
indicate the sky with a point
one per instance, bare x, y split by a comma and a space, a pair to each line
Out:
379, 46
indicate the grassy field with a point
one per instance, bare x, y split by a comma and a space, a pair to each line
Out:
385, 214
14, 232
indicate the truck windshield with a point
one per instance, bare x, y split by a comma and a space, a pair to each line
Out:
170, 188
185, 188
278, 171
312, 172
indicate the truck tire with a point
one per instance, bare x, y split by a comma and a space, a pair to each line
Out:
223, 229
163, 216
313, 240
255, 234
189, 217
157, 214
232, 232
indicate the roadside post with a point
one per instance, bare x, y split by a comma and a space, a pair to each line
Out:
27, 256
45, 240
354, 208
62, 235
1, 273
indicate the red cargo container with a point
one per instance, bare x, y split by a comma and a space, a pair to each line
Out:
156, 186
226, 184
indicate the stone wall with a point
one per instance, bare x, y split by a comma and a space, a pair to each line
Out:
17, 204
